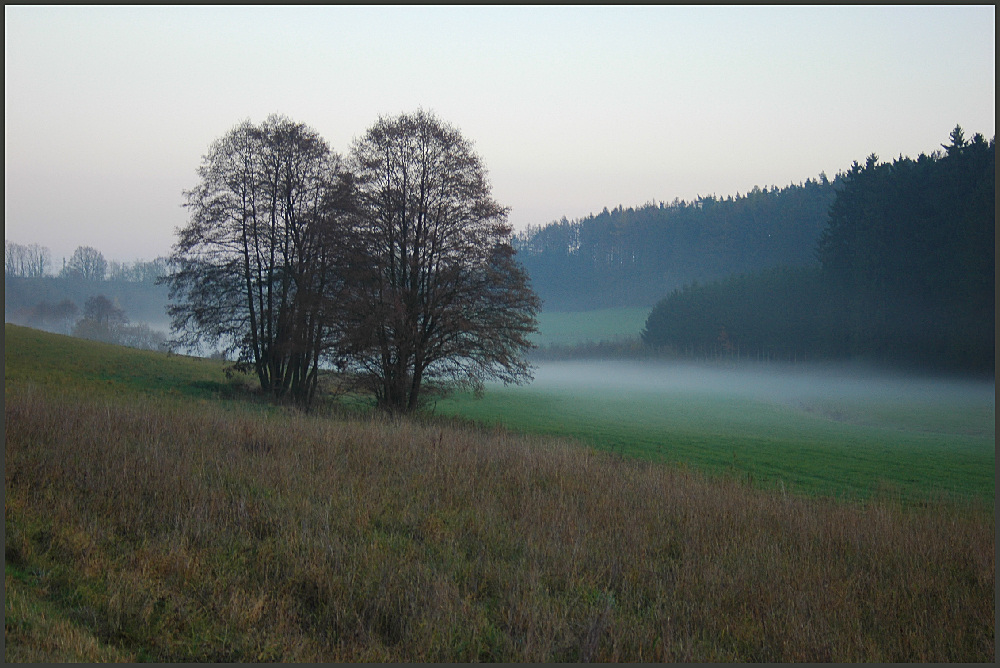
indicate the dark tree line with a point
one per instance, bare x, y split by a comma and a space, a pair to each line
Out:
632, 257
910, 251
775, 313
907, 274
394, 265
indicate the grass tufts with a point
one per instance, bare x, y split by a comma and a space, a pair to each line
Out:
145, 527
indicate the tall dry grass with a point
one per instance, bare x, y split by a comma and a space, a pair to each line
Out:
186, 533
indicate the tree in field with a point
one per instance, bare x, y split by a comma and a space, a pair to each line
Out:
437, 296
87, 263
102, 310
256, 266
102, 320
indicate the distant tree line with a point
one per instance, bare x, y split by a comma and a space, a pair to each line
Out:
86, 263
774, 313
632, 257
25, 260
906, 274
65, 302
393, 265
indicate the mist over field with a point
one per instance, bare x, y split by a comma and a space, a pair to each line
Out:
760, 380
492, 347
800, 385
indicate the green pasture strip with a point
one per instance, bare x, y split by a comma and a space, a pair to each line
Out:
570, 327
772, 444
936, 416
72, 364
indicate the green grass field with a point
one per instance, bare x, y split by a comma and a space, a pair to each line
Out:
915, 442
34, 357
570, 328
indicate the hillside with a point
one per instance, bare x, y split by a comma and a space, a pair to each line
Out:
907, 277
154, 511
633, 257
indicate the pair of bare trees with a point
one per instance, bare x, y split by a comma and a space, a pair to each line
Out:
394, 265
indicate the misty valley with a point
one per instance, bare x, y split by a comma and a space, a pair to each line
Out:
383, 428
831, 337
542, 334
809, 427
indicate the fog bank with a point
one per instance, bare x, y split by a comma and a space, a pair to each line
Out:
785, 383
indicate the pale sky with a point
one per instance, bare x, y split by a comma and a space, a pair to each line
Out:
108, 110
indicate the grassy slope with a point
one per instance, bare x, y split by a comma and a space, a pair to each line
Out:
152, 525
58, 362
836, 448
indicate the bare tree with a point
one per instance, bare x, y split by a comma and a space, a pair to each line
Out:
87, 263
138, 271
401, 270
149, 272
14, 258
437, 297
27, 261
103, 320
104, 311
252, 265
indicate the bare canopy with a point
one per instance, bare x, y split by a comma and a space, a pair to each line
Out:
440, 297
397, 268
254, 266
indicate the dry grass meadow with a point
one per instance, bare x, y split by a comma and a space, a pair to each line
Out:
141, 527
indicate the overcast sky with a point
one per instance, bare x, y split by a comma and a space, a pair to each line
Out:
108, 110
